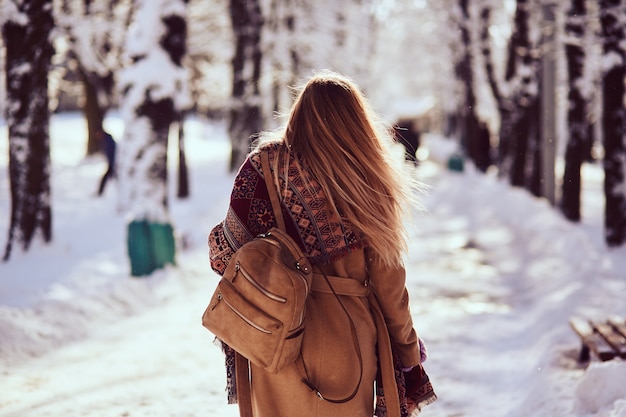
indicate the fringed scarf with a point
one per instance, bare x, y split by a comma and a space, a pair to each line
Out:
414, 389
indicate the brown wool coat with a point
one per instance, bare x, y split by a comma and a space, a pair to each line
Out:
328, 350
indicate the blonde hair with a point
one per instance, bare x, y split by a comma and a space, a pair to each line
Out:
344, 146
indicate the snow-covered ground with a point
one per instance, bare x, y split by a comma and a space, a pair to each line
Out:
494, 276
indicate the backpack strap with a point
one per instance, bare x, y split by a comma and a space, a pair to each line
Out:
272, 191
242, 381
242, 365
355, 340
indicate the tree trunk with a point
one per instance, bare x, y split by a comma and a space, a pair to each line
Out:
471, 136
282, 40
149, 108
547, 103
246, 118
613, 119
28, 55
183, 171
94, 113
578, 142
522, 76
534, 169
518, 148
503, 102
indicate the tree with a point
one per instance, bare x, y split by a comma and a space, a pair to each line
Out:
522, 67
503, 101
154, 93
26, 31
613, 120
182, 191
209, 51
283, 53
578, 127
95, 32
517, 99
246, 115
301, 37
474, 135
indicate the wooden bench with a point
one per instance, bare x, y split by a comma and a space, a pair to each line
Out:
605, 338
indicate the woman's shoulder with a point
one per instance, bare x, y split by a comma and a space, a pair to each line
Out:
272, 150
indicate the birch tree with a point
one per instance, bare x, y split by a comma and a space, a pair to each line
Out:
613, 120
154, 92
26, 28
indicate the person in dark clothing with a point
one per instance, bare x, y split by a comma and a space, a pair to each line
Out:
107, 145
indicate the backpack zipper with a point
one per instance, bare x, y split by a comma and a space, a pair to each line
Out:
220, 297
258, 286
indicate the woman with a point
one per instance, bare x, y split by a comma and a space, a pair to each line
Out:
343, 200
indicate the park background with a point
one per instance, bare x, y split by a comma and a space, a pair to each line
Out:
511, 99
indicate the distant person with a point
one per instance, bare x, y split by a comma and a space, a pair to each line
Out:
108, 147
406, 134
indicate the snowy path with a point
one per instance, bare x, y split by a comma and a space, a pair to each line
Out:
495, 277
160, 363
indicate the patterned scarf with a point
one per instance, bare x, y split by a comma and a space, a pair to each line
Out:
414, 391
323, 236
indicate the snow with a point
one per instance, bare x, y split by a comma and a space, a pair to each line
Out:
10, 11
153, 73
152, 77
494, 275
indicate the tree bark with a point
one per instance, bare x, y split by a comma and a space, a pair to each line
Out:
503, 101
523, 97
578, 141
28, 55
534, 169
150, 106
547, 103
613, 119
183, 171
517, 106
246, 117
472, 138
93, 111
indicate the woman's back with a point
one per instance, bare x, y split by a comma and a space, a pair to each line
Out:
342, 201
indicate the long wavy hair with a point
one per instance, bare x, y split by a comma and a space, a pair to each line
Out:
346, 148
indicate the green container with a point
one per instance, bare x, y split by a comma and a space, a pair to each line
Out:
455, 162
150, 246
